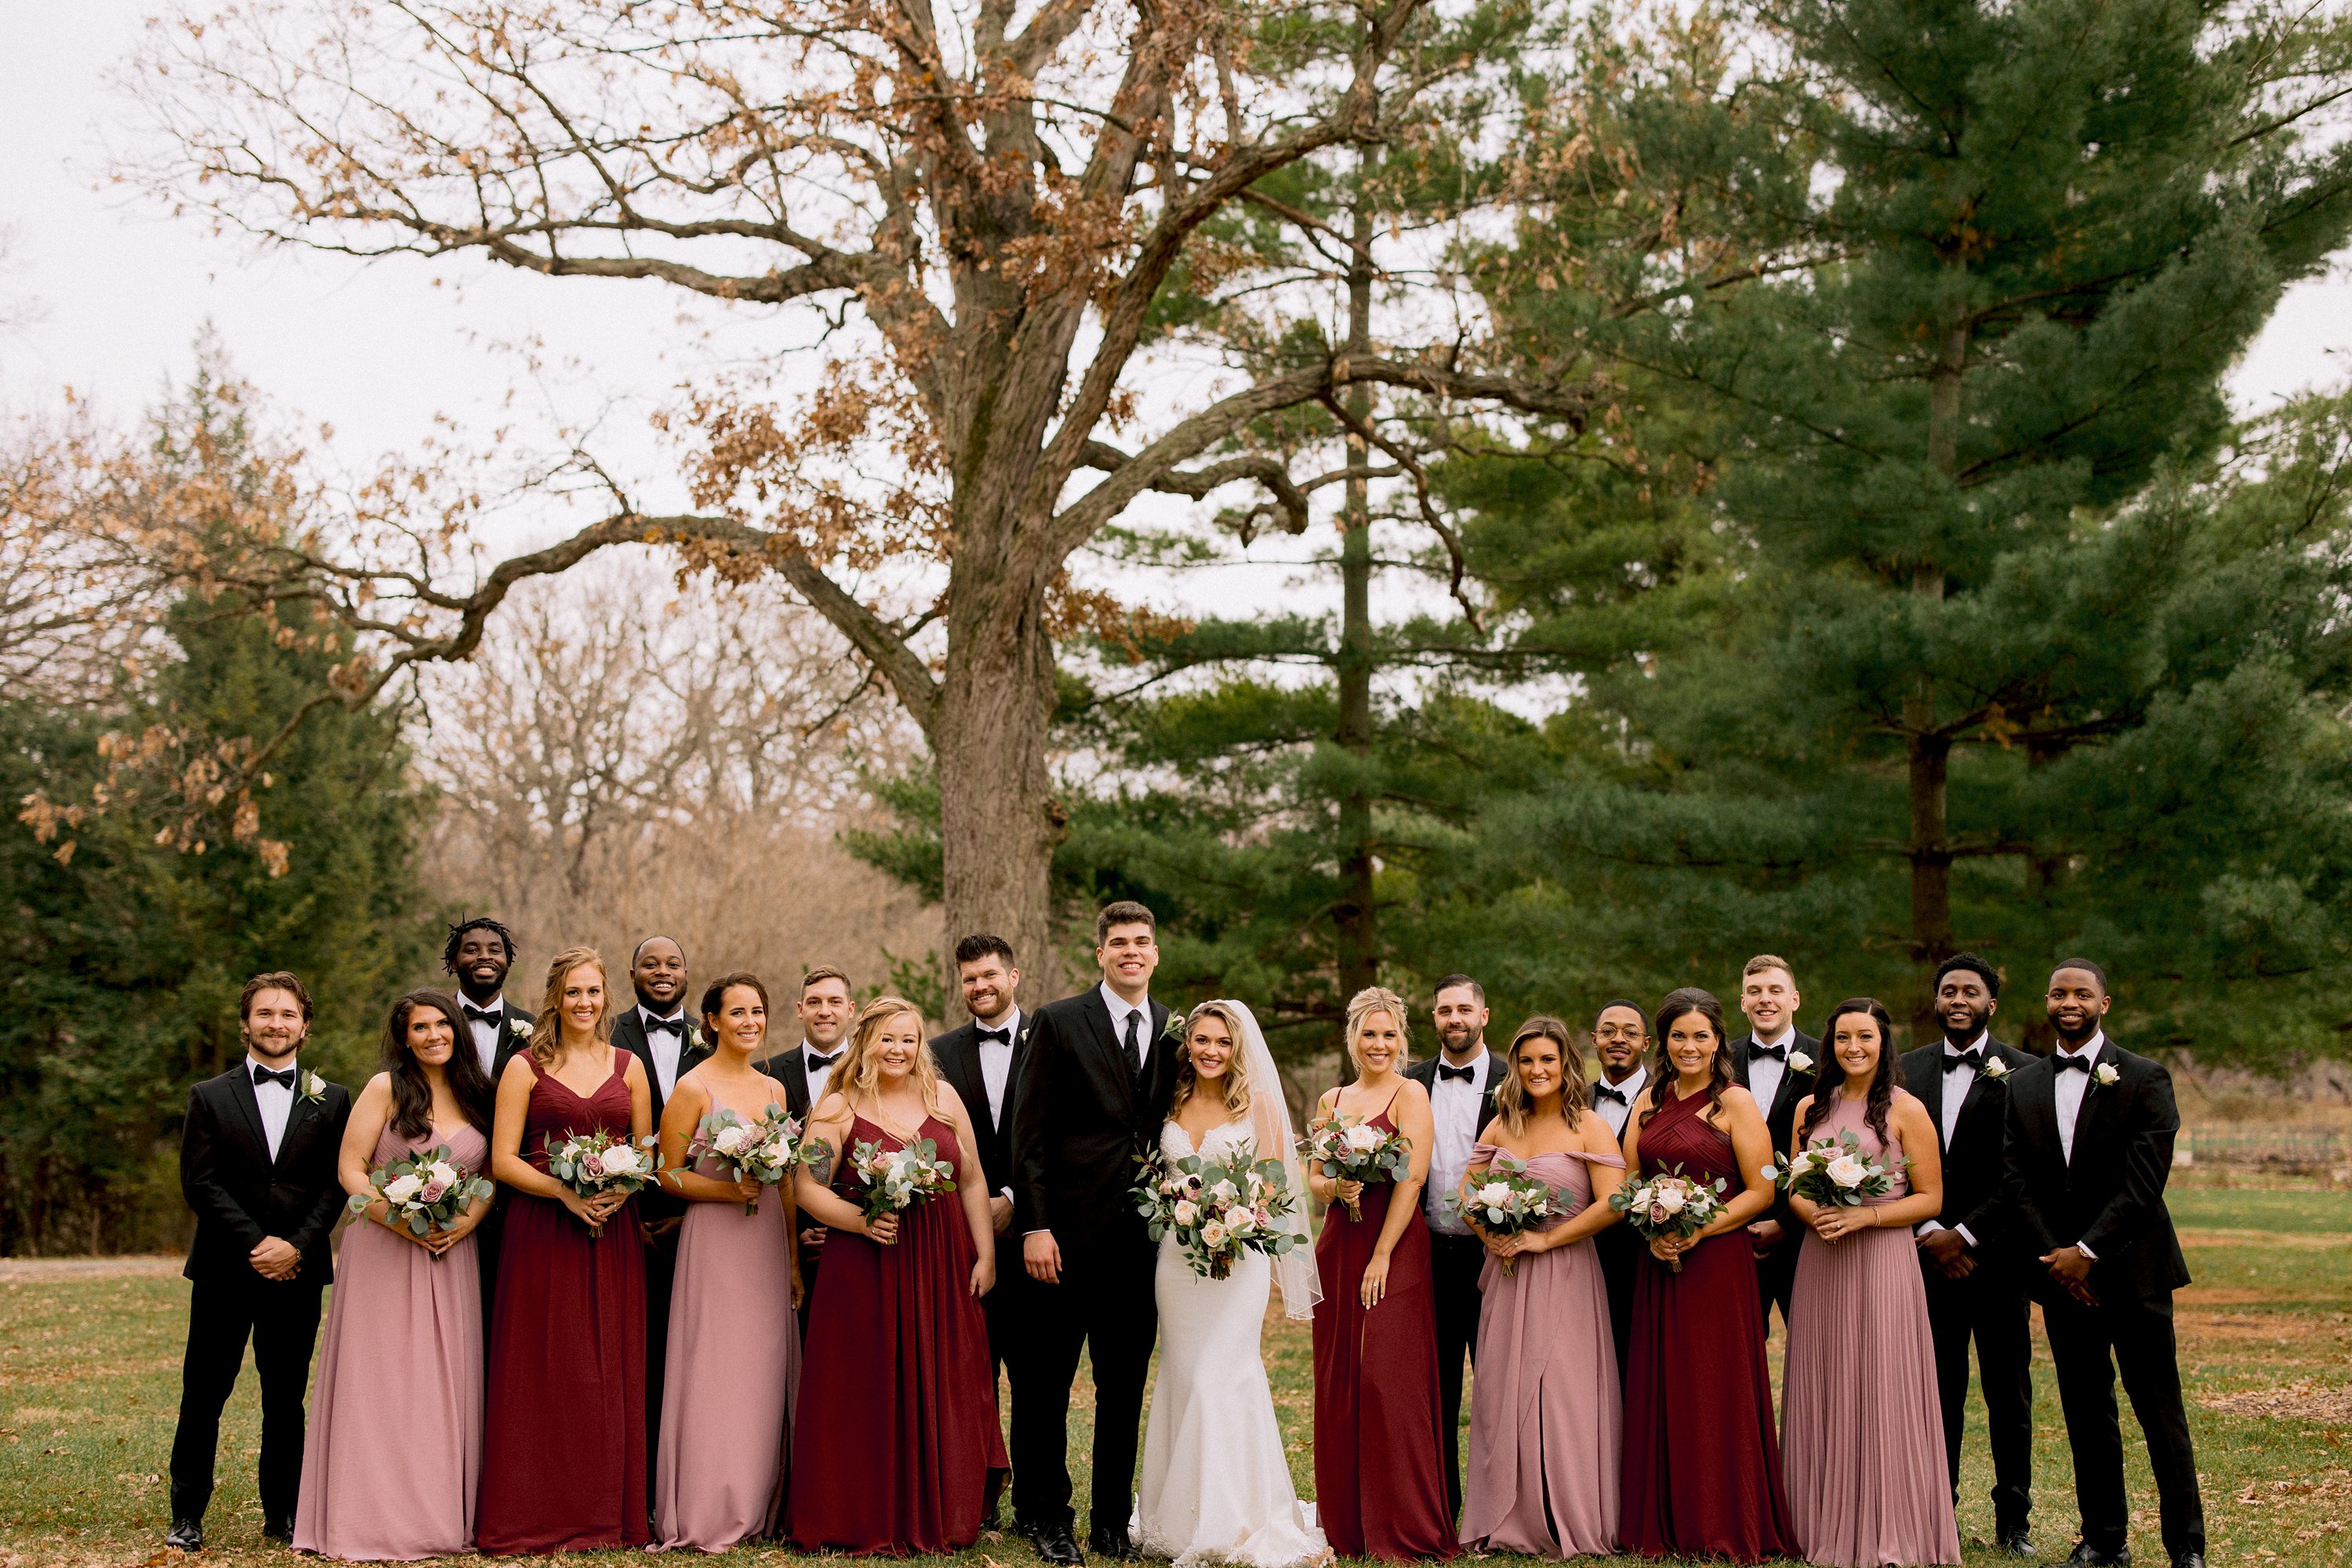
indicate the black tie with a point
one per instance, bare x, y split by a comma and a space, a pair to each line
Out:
1955, 1061
1602, 1091
675, 1025
995, 1036
1461, 1074
1778, 1053
823, 1063
2064, 1063
263, 1075
1134, 1042
477, 1015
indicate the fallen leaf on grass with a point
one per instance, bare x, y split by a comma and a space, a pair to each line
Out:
2300, 1401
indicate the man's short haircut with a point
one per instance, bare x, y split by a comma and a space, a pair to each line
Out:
980, 946
457, 935
639, 952
1764, 961
827, 971
275, 980
2082, 963
1458, 982
1974, 965
1606, 1007
1124, 912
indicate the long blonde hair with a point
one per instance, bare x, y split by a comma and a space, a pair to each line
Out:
1512, 1102
546, 1030
1234, 1088
1374, 999
860, 1069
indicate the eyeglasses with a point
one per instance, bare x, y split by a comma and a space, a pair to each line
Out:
1611, 1032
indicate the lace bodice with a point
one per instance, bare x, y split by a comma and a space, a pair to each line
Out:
1222, 1144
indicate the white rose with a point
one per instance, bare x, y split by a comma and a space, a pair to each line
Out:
1240, 1224
1494, 1193
444, 1173
1799, 1062
1670, 1199
620, 1160
1363, 1140
1847, 1171
728, 1140
1225, 1192
1212, 1235
400, 1189
2106, 1073
1996, 1068
1187, 1211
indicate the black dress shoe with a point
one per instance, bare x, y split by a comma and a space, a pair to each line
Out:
2090, 1557
1053, 1544
187, 1534
281, 1531
2017, 1543
2188, 1560
1111, 1542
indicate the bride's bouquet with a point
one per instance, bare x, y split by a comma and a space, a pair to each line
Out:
765, 1150
1668, 1204
1217, 1208
1348, 1148
1836, 1171
1507, 1201
592, 1163
898, 1179
426, 1192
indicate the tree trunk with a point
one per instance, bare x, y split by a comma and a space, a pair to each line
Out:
1928, 749
1356, 914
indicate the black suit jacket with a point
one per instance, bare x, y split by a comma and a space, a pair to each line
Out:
510, 1043
1424, 1073
1976, 1158
2110, 1197
1081, 1116
654, 1204
791, 1069
241, 1194
956, 1054
1780, 1116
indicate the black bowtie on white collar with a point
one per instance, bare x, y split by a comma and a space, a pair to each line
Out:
676, 1026
482, 1015
1602, 1091
1778, 1053
1459, 1075
262, 1075
819, 1064
994, 1036
1973, 1057
2062, 1062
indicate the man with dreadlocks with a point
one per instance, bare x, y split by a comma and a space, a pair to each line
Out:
478, 955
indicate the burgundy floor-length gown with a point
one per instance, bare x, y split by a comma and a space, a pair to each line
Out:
895, 1448
1863, 1429
564, 1463
1379, 1457
402, 1360
1544, 1418
1702, 1466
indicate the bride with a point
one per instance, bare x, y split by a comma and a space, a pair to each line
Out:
1216, 1482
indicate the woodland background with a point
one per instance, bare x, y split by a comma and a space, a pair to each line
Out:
1796, 508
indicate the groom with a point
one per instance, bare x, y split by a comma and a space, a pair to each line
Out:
1092, 1091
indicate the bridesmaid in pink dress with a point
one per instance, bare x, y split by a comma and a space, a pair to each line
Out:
1545, 1418
1862, 1428
734, 1342
404, 1351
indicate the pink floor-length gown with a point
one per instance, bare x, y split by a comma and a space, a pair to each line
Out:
732, 1376
1862, 1427
395, 1443
1546, 1419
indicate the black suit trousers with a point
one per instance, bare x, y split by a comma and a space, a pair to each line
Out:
661, 1273
1619, 1248
1455, 1263
2090, 1346
1776, 1271
1988, 1307
281, 1318
1105, 1306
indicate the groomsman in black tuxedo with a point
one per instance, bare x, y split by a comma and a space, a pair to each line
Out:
979, 1060
1619, 1035
1774, 1061
1974, 1288
1091, 1093
662, 1036
257, 1151
825, 1013
478, 955
1460, 1080
2090, 1129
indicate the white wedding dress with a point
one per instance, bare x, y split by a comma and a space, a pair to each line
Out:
1217, 1482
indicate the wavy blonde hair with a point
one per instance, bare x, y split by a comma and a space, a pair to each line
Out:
861, 1069
547, 1029
1512, 1102
1374, 999
1234, 1088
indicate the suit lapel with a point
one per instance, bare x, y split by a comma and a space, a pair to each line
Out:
248, 1109
1121, 1066
297, 1114
2091, 1116
1931, 1091
2037, 1097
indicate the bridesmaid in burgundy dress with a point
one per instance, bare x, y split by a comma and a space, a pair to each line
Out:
895, 1448
564, 1467
1380, 1464
1702, 1468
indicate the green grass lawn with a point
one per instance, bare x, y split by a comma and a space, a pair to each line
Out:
90, 1384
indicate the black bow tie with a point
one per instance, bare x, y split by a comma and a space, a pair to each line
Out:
477, 1015
2062, 1062
995, 1036
1778, 1053
262, 1075
675, 1025
1463, 1074
1602, 1091
823, 1063
1955, 1061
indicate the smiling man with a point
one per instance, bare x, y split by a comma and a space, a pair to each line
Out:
1774, 1061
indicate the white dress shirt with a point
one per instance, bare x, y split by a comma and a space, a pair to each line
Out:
487, 1036
666, 1046
1611, 1111
997, 1067
1764, 1073
818, 1076
1119, 1008
1454, 1106
275, 1100
1957, 1081
2070, 1088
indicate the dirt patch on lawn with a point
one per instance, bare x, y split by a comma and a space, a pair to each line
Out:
2220, 1296
41, 1269
2330, 1405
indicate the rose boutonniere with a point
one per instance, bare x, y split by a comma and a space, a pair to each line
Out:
1174, 1028
693, 1038
1996, 1068
516, 1027
2104, 1075
310, 1086
1799, 1062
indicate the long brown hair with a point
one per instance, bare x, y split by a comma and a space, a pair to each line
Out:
1829, 1087
412, 1096
1512, 1100
547, 1032
859, 1070
1663, 1072
1234, 1088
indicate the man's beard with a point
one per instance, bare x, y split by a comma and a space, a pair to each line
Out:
1969, 1032
474, 990
2090, 1026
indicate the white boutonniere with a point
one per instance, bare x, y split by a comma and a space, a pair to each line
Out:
310, 1086
1174, 1028
2104, 1075
516, 1025
1995, 1068
693, 1038
1799, 1062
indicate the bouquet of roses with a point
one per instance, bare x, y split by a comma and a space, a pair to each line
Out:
1834, 1172
1668, 1204
899, 1178
426, 1192
766, 1150
1347, 1149
593, 1163
1507, 1201
1217, 1208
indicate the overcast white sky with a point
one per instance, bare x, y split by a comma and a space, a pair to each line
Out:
118, 291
